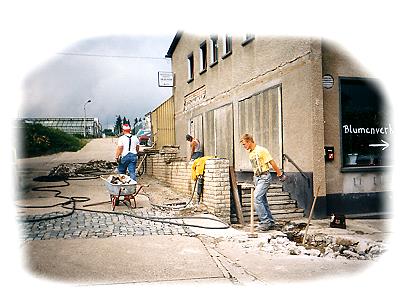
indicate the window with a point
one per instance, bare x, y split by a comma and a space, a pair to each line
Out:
248, 37
213, 50
366, 130
190, 62
227, 45
203, 57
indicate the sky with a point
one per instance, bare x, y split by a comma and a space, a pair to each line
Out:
36, 80
118, 73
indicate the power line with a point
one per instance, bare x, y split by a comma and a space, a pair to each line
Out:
110, 56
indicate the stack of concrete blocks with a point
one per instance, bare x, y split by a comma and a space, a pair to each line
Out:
176, 173
217, 189
171, 170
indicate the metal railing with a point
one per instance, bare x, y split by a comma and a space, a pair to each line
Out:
285, 156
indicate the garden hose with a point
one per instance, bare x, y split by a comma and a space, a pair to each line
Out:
73, 200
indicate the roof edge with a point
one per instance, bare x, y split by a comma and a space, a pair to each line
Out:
174, 43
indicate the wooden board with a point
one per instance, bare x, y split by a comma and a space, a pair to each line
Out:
236, 198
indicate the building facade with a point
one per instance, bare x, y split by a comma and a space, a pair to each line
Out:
304, 99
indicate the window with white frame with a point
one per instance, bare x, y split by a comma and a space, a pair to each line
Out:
227, 45
190, 62
213, 49
203, 56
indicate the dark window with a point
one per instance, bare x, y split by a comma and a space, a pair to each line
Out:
247, 38
213, 50
227, 45
366, 129
203, 56
190, 62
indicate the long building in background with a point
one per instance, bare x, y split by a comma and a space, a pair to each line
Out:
70, 125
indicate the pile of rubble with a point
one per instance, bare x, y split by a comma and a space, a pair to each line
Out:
83, 169
317, 245
120, 179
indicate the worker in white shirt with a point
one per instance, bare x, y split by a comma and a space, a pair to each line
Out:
126, 153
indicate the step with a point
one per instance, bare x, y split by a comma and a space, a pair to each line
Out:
279, 211
270, 190
289, 216
282, 195
246, 186
270, 199
281, 205
289, 213
274, 206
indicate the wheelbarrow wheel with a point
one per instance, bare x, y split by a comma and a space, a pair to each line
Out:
114, 201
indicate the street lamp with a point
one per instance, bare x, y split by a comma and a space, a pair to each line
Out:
84, 119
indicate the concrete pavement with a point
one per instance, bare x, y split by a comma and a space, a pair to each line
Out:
104, 253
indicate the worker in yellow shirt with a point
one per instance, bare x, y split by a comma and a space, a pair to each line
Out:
261, 160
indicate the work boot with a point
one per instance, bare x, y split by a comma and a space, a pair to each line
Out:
266, 227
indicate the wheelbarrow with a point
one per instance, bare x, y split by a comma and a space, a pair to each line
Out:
124, 187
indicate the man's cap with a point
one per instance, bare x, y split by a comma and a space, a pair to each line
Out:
126, 127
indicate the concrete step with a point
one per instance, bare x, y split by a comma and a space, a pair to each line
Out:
281, 214
277, 212
269, 194
272, 187
275, 205
281, 205
270, 199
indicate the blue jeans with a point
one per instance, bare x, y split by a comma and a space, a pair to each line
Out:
261, 184
128, 162
197, 154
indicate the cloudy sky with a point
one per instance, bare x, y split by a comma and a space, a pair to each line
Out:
118, 73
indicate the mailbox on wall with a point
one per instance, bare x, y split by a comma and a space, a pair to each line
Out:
329, 153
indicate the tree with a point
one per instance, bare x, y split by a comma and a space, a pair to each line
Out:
119, 122
134, 125
118, 125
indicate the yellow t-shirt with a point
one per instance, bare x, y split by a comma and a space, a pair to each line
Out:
259, 159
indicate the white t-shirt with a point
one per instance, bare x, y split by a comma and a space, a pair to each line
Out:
124, 142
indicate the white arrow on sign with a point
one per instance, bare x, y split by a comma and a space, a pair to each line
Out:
384, 145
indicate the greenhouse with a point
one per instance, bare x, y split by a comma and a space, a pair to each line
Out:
70, 125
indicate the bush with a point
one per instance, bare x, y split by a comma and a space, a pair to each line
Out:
37, 140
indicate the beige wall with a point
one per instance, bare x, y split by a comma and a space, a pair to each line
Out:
295, 64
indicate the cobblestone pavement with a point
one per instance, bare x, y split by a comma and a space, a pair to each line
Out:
82, 224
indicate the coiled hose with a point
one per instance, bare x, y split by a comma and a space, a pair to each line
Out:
73, 200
